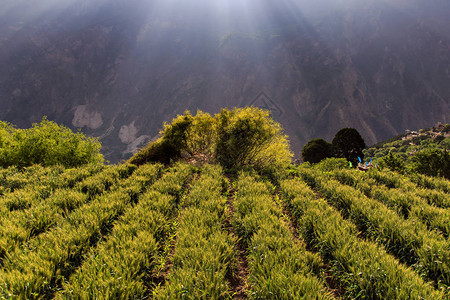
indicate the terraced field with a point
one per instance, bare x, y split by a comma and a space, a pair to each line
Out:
184, 232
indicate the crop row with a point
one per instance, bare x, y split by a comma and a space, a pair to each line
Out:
427, 182
13, 178
434, 189
38, 268
361, 269
121, 266
18, 226
279, 266
405, 201
106, 180
204, 250
31, 195
409, 240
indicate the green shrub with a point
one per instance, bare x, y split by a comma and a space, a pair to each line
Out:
238, 138
330, 164
393, 162
46, 143
445, 144
202, 135
432, 162
250, 137
446, 128
170, 145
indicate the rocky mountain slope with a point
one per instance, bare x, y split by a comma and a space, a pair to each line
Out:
118, 69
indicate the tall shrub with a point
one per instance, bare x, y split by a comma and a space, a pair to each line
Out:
250, 137
242, 137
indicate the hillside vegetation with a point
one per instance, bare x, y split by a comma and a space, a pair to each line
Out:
425, 151
195, 229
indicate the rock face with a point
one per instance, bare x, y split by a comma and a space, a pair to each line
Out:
83, 118
118, 69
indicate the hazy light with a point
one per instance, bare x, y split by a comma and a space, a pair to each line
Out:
29, 10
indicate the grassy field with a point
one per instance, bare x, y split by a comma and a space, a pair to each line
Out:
185, 232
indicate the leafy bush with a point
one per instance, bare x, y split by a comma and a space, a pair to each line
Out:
331, 164
46, 143
446, 128
242, 137
432, 162
250, 137
202, 134
171, 144
393, 162
445, 144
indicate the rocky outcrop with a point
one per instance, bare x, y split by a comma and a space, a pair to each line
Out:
119, 69
84, 118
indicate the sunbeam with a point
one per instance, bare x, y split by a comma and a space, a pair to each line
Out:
313, 63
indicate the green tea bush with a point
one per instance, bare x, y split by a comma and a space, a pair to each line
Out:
393, 162
23, 225
440, 184
120, 266
407, 200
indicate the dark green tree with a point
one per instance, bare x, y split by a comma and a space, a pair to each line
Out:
316, 150
349, 144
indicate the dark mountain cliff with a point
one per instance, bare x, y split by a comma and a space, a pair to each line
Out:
118, 69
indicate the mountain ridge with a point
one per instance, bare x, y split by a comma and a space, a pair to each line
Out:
119, 73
